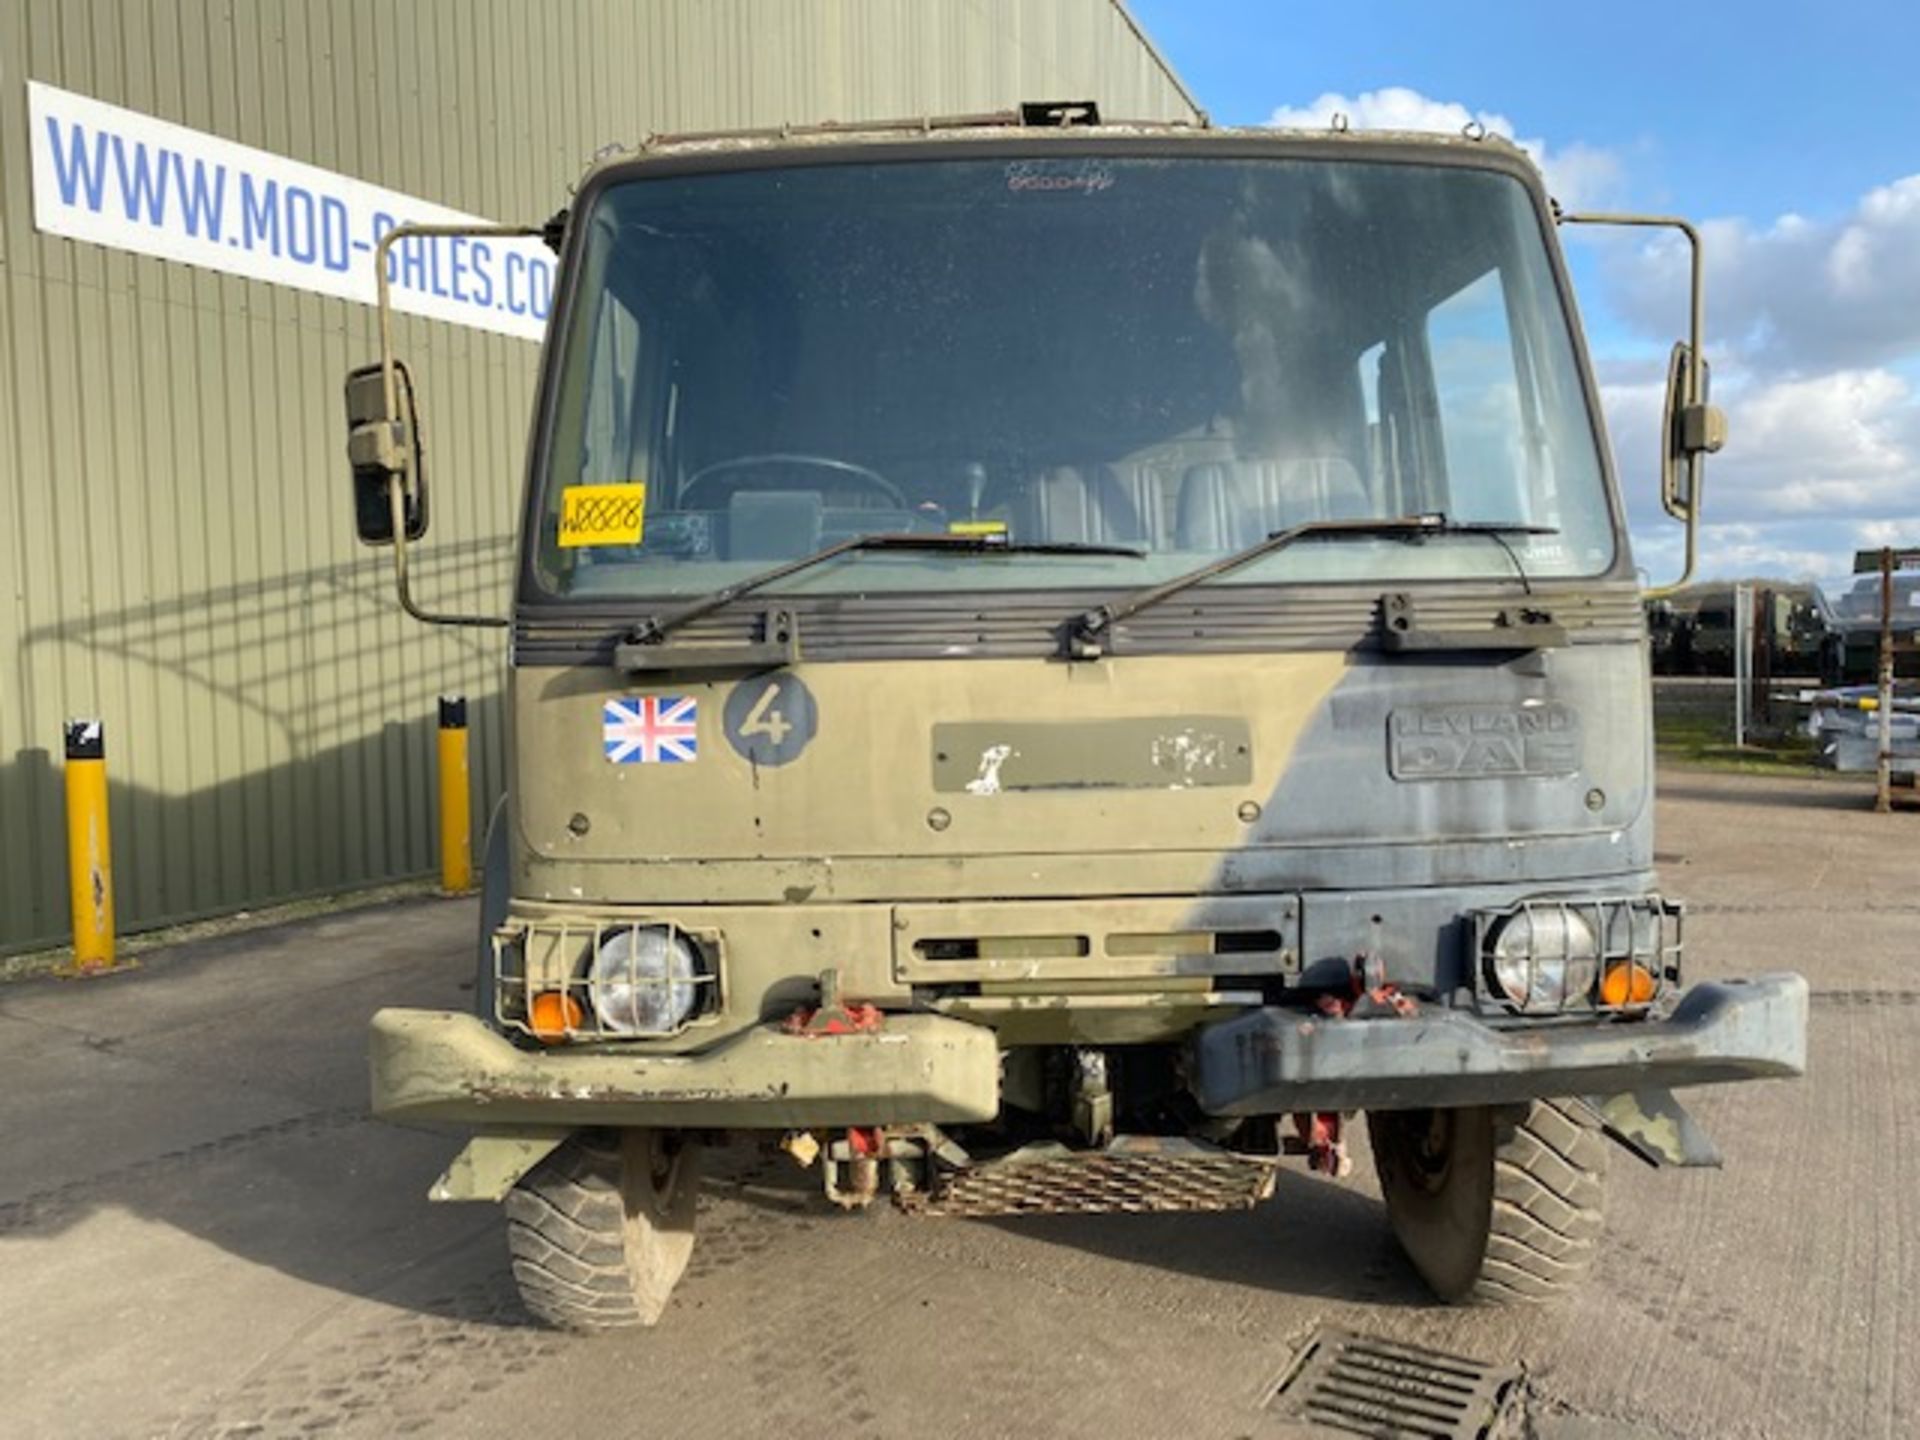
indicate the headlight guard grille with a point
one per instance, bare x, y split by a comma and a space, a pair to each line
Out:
1643, 931
552, 956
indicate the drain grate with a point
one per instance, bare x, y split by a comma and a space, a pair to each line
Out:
1394, 1392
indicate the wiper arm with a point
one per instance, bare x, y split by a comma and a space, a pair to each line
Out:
655, 628
1086, 632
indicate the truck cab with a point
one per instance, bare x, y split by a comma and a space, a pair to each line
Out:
1051, 666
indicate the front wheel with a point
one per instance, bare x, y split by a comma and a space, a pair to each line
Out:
1494, 1205
601, 1230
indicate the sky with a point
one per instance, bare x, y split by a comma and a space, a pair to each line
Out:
1790, 130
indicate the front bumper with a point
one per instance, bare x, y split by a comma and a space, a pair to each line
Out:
1273, 1061
433, 1065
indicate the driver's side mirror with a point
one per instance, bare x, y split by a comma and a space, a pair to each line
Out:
1690, 430
383, 442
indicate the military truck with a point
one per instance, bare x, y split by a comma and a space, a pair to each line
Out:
1858, 623
1794, 630
1053, 664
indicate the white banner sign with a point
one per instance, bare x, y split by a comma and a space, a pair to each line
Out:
119, 178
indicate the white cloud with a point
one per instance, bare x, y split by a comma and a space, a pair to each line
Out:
1797, 296
1831, 446
1814, 468
1841, 443
1820, 551
1738, 551
1577, 175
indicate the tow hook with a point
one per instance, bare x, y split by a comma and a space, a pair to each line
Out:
853, 1167
1318, 1132
860, 1162
863, 1160
1317, 1136
1373, 996
833, 1016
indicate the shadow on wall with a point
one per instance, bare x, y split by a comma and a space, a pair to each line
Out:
265, 741
349, 817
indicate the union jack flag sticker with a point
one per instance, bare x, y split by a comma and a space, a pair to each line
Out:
651, 730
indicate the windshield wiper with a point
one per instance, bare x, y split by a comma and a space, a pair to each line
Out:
1087, 632
642, 648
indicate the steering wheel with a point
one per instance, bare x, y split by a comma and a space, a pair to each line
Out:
718, 473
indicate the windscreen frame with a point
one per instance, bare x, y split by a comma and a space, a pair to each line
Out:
571, 318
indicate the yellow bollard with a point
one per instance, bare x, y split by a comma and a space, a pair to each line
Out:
89, 851
456, 804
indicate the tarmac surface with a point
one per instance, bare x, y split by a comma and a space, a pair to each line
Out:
201, 1232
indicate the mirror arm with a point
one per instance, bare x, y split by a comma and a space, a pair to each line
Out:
1692, 558
390, 385
1697, 313
1696, 359
397, 500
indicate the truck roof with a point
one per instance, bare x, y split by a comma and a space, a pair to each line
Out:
1013, 127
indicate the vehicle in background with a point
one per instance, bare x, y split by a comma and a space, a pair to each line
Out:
1793, 628
1857, 626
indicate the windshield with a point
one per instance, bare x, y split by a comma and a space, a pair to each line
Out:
1178, 356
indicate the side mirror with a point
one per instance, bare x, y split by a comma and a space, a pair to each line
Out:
383, 443
1690, 430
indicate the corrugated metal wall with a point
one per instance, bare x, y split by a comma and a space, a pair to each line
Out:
176, 552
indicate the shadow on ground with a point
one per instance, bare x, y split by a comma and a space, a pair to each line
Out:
220, 1090
1319, 1238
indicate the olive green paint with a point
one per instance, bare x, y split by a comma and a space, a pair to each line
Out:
430, 1065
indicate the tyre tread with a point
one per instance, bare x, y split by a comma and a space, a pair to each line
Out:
564, 1236
1548, 1208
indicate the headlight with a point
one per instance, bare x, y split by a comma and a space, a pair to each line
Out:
1542, 957
644, 981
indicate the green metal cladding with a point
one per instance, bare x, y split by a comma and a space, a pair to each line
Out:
176, 553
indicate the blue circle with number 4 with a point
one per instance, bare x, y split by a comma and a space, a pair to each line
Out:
770, 719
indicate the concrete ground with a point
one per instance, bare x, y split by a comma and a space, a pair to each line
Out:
202, 1234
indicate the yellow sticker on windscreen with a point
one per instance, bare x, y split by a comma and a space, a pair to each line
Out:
602, 514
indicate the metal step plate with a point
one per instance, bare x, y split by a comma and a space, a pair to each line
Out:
1377, 1387
1135, 1175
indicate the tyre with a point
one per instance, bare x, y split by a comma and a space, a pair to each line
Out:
1495, 1205
600, 1231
